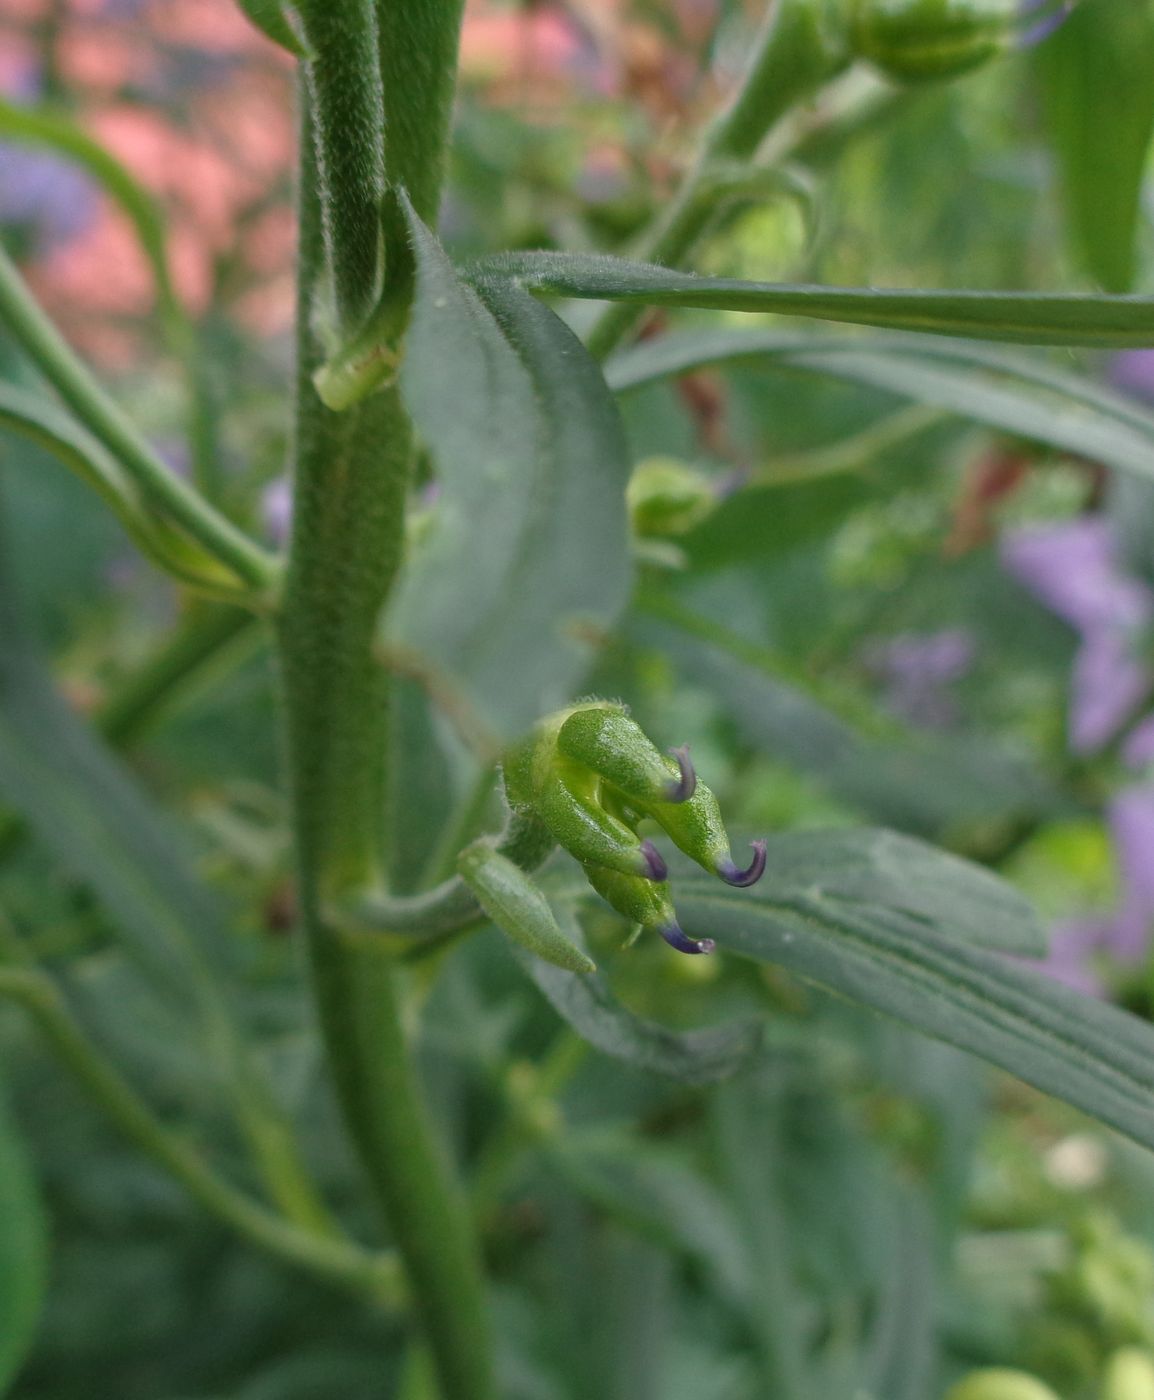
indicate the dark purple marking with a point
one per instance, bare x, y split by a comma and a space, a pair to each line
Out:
657, 869
684, 788
676, 938
742, 879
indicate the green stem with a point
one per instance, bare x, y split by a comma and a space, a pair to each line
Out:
207, 636
792, 58
44, 345
344, 84
351, 480
332, 1259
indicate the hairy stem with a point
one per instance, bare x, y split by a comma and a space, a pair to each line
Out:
351, 479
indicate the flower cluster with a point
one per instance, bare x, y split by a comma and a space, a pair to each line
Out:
590, 776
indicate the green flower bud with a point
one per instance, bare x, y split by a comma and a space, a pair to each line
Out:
668, 497
916, 40
646, 903
997, 1384
590, 775
1129, 1376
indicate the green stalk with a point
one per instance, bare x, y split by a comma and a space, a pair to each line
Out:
792, 57
351, 479
318, 1253
344, 83
44, 345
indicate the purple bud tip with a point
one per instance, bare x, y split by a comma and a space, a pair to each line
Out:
684, 788
742, 879
683, 943
657, 869
1042, 29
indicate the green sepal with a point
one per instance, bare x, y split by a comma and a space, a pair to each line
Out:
517, 906
644, 902
568, 805
696, 827
1129, 1375
605, 739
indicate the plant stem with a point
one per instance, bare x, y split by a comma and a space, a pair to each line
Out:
344, 83
44, 345
792, 57
351, 480
320, 1254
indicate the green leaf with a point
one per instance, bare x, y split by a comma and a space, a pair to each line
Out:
522, 564
41, 421
883, 871
924, 972
1096, 76
1008, 392
269, 17
518, 907
23, 1251
928, 784
1028, 318
587, 1003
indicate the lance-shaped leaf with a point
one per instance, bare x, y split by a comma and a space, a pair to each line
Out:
1028, 318
522, 564
926, 972
1013, 393
517, 905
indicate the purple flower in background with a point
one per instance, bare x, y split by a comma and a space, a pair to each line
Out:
917, 670
1133, 371
1131, 818
45, 196
1124, 934
1072, 568
276, 507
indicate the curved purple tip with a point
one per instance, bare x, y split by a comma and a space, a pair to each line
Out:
742, 879
657, 869
676, 938
684, 788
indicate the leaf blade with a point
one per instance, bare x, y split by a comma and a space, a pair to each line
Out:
1024, 318
533, 462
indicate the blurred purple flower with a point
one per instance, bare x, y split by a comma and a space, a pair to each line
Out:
917, 671
1133, 372
276, 507
51, 201
1072, 568
1124, 934
1131, 818
1073, 944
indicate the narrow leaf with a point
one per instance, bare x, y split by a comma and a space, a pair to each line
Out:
1027, 318
516, 904
926, 784
588, 1004
1011, 393
1090, 1055
522, 564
